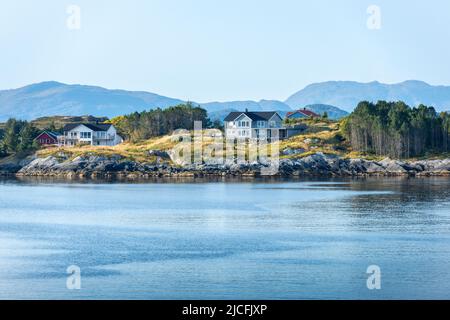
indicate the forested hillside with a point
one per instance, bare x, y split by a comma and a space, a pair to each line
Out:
147, 124
394, 129
17, 137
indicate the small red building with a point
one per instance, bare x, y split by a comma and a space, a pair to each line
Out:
47, 138
302, 114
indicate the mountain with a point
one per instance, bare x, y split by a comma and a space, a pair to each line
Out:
263, 105
54, 98
219, 110
333, 112
347, 94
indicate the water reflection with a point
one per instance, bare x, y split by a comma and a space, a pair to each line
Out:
263, 239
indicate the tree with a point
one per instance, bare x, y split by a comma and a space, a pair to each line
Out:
26, 138
396, 130
157, 122
11, 136
18, 136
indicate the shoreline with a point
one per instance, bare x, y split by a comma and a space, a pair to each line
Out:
314, 166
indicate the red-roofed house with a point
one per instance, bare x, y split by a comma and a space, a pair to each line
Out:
302, 114
47, 138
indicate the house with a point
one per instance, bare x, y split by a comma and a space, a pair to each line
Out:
302, 114
254, 125
92, 134
47, 138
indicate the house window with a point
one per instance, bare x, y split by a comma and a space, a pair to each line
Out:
85, 135
243, 133
273, 124
244, 123
260, 124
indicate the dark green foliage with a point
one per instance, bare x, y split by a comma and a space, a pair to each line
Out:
144, 125
17, 137
396, 130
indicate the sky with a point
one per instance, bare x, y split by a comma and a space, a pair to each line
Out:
221, 50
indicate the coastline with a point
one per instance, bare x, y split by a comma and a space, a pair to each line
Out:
317, 165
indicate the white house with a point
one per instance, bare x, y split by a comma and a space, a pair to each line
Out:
254, 125
92, 134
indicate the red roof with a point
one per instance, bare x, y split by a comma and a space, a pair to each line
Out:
306, 112
309, 113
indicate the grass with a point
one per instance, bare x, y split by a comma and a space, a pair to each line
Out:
128, 151
321, 136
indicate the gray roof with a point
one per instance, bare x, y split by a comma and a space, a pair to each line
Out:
93, 127
255, 116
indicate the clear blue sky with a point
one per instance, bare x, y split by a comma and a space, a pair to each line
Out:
208, 50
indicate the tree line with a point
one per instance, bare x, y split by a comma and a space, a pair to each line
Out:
396, 130
17, 136
157, 122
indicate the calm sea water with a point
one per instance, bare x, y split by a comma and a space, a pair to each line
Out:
215, 240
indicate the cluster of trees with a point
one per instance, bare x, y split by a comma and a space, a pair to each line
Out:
394, 129
144, 125
17, 137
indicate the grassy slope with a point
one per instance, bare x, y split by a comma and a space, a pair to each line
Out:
323, 137
131, 151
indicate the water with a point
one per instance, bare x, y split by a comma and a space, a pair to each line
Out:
214, 240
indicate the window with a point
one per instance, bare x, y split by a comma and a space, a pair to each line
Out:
244, 124
243, 133
261, 124
85, 135
273, 124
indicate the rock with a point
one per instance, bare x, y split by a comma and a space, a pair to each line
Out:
159, 153
318, 164
374, 167
393, 166
290, 152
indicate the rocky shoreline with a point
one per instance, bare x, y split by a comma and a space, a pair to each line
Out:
317, 165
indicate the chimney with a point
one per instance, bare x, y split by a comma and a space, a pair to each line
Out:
246, 110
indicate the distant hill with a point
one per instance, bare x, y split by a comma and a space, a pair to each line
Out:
61, 121
54, 98
219, 110
263, 105
347, 94
333, 112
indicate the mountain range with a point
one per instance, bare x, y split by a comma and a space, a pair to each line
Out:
347, 94
337, 98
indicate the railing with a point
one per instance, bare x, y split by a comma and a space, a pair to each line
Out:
109, 137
